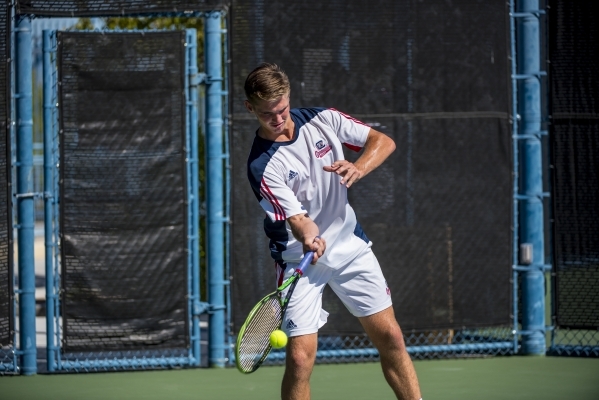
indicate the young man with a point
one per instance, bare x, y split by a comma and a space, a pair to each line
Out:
299, 175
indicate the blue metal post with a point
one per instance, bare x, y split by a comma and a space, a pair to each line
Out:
192, 79
516, 176
25, 211
228, 167
56, 211
49, 197
531, 219
215, 189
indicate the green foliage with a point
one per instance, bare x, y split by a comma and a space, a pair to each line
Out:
84, 24
151, 23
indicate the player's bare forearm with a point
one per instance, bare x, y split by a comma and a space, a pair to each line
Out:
377, 149
307, 233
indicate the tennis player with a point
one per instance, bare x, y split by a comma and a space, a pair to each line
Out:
300, 177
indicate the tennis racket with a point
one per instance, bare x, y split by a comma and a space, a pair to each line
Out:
253, 341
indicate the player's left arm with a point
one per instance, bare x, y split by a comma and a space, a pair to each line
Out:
377, 148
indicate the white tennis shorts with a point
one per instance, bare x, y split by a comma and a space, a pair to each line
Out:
359, 283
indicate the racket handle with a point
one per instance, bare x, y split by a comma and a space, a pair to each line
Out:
305, 262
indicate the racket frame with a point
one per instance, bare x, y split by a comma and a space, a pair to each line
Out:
289, 282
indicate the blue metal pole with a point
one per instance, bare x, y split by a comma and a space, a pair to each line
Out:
214, 189
192, 70
531, 219
228, 168
49, 197
190, 298
56, 212
25, 213
516, 175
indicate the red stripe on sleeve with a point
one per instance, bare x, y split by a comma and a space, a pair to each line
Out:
349, 117
279, 212
352, 147
276, 210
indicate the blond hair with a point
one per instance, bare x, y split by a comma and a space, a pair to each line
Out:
267, 82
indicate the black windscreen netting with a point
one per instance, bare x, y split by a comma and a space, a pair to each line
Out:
5, 191
434, 77
574, 88
123, 192
76, 8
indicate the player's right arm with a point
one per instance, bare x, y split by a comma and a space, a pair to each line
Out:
281, 204
378, 148
357, 136
307, 233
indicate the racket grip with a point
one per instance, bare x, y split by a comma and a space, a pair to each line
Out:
305, 262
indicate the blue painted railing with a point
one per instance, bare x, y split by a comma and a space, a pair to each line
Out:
192, 79
25, 197
528, 176
213, 36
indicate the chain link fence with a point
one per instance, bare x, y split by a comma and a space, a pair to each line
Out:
439, 210
574, 128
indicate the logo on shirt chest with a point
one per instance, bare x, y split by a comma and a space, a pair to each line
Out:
292, 174
322, 148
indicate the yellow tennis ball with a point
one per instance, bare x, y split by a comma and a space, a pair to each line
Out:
278, 339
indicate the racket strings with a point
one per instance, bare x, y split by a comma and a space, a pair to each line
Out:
255, 342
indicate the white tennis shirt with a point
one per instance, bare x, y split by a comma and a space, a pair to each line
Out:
288, 179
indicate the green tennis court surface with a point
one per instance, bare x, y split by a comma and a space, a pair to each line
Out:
493, 378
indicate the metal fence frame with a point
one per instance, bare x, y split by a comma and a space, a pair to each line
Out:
494, 340
465, 342
115, 360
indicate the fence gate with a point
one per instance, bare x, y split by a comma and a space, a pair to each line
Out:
123, 265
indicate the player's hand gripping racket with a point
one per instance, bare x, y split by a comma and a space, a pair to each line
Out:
253, 341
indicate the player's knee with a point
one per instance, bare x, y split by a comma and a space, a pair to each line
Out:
300, 360
392, 339
398, 341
